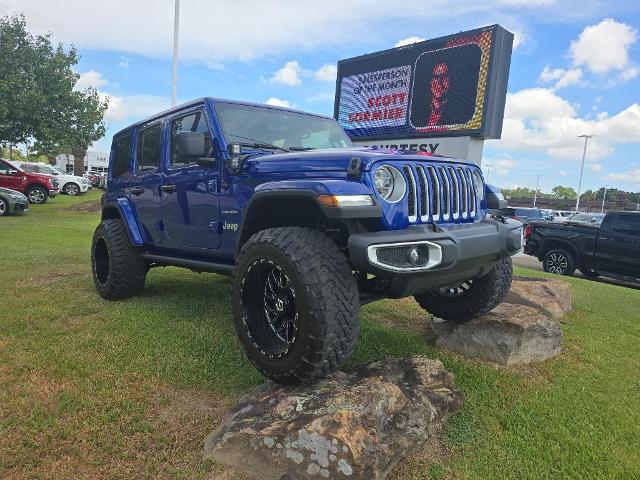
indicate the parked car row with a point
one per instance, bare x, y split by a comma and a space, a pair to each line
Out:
22, 183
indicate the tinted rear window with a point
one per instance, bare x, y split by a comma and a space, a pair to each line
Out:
121, 156
628, 224
521, 212
148, 148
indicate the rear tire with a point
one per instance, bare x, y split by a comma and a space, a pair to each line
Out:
37, 195
295, 304
118, 270
559, 261
470, 299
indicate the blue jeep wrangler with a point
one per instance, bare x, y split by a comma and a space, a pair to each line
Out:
309, 227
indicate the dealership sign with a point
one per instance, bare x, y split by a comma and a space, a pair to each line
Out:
449, 86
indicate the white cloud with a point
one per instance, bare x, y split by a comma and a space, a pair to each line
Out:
518, 38
409, 41
124, 62
502, 166
561, 77
327, 73
268, 28
539, 120
278, 102
630, 73
604, 46
134, 107
290, 74
90, 79
632, 176
595, 167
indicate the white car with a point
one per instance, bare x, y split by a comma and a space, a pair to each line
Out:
69, 184
560, 216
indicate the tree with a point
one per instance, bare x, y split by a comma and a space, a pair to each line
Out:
85, 119
38, 102
564, 193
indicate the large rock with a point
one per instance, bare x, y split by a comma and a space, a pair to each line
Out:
510, 334
549, 296
348, 426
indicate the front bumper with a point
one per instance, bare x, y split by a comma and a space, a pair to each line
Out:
465, 251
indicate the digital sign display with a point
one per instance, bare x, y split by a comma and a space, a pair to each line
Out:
449, 86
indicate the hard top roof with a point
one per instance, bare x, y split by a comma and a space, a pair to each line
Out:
215, 100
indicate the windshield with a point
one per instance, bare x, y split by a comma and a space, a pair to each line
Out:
249, 125
59, 170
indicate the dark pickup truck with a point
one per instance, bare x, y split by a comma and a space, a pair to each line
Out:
611, 249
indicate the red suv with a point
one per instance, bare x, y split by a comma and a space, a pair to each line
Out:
38, 188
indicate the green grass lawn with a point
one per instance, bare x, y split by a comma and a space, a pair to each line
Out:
97, 389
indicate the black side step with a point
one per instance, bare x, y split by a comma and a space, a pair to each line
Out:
195, 265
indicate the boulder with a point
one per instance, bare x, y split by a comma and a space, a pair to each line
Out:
508, 335
354, 425
550, 297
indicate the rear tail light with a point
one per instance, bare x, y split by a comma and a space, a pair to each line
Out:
528, 229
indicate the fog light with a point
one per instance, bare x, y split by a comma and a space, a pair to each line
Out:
418, 256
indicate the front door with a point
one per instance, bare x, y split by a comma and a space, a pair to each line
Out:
190, 189
10, 177
144, 187
619, 246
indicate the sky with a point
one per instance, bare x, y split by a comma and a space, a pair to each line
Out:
575, 67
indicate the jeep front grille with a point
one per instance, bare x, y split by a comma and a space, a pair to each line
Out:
442, 193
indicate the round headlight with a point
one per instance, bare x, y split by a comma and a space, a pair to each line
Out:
389, 183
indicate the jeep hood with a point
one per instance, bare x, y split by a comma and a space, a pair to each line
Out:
330, 160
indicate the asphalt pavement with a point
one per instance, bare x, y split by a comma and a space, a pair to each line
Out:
527, 261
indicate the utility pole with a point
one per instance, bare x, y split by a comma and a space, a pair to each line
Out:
603, 198
174, 75
488, 165
584, 154
535, 195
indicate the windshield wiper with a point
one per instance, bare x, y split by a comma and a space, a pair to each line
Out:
257, 144
300, 149
267, 146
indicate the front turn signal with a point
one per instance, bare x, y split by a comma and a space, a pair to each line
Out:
336, 201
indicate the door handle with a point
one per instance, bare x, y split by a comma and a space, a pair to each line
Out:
168, 188
137, 190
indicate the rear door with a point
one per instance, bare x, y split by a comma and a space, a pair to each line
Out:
144, 187
618, 249
190, 189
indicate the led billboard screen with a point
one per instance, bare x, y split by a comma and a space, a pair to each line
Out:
449, 86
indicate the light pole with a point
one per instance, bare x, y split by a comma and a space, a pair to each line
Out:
174, 73
584, 154
603, 198
488, 165
535, 195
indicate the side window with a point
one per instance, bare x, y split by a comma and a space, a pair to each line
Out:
5, 168
148, 149
121, 156
190, 139
628, 224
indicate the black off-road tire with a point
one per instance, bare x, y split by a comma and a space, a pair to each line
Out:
326, 301
478, 297
119, 271
559, 261
37, 195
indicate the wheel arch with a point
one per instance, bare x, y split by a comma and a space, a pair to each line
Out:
278, 208
122, 209
552, 244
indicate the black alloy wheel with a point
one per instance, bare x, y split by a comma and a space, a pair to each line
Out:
269, 297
